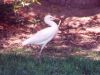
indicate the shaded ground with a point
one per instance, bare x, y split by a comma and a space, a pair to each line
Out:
79, 30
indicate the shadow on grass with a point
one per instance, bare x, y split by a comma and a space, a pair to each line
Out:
12, 64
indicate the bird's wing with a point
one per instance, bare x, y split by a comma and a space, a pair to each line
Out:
45, 35
41, 36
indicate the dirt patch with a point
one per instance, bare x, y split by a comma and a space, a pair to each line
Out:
79, 29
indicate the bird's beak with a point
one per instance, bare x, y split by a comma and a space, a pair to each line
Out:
55, 18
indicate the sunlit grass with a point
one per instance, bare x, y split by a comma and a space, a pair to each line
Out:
12, 64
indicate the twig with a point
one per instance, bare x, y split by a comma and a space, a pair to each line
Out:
59, 23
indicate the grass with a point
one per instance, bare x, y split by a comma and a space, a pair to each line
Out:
12, 64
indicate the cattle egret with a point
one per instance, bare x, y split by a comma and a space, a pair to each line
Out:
45, 35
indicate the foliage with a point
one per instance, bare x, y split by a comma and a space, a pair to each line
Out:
12, 10
23, 3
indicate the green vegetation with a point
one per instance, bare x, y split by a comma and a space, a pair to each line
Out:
12, 64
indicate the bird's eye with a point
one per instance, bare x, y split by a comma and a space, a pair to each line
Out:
50, 17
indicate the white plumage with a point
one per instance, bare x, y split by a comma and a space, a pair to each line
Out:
45, 35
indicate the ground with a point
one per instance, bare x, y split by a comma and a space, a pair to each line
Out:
79, 32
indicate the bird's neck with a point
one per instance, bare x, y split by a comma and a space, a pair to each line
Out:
52, 24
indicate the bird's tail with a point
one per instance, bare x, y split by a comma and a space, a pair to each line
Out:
28, 41
24, 43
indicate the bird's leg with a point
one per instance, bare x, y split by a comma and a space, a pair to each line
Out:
42, 48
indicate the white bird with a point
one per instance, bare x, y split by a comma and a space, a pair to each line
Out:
45, 35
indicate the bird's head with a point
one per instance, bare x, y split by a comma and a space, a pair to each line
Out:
49, 17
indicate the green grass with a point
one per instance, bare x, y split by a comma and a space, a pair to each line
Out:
12, 64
